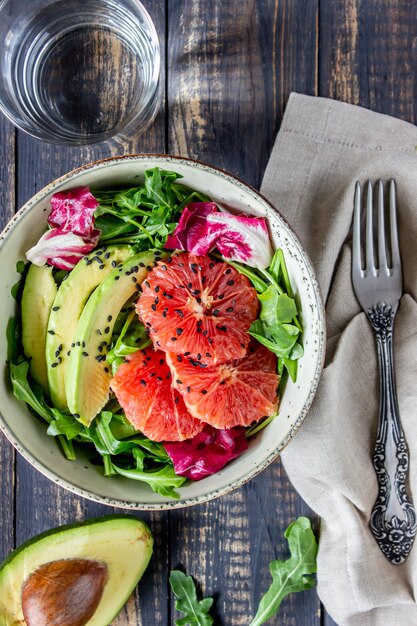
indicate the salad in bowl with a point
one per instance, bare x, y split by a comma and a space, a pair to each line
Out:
165, 330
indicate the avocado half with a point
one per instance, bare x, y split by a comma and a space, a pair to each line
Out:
98, 563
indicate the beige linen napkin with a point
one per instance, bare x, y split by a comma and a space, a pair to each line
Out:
322, 148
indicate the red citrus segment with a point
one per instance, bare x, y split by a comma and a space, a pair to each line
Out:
199, 307
143, 388
230, 394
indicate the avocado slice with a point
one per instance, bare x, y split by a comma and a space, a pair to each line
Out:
114, 550
66, 309
88, 374
38, 295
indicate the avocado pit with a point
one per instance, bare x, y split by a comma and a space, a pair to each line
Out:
63, 593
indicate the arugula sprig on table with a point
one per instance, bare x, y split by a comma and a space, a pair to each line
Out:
144, 215
288, 576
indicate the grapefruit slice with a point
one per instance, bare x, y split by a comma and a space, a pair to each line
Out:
143, 388
199, 307
237, 393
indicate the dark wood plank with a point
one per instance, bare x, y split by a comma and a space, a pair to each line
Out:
233, 66
7, 454
368, 52
39, 503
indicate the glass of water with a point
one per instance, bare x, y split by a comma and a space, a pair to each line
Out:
76, 72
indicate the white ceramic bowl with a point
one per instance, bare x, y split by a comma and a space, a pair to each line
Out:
29, 435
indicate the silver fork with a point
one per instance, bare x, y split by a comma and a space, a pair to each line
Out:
378, 288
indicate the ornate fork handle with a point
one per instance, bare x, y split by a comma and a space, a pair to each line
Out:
393, 519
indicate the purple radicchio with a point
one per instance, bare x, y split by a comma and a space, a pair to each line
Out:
202, 227
208, 452
72, 234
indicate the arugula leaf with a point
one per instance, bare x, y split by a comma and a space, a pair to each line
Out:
195, 611
34, 398
162, 481
291, 575
132, 337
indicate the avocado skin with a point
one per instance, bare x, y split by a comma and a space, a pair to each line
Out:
118, 595
38, 295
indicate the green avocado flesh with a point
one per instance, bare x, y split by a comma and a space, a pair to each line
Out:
88, 375
66, 311
37, 299
122, 543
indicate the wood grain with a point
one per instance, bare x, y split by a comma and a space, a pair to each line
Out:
7, 453
232, 67
368, 54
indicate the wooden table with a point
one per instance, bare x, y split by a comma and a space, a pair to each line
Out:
229, 68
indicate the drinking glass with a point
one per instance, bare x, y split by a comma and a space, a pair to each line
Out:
78, 71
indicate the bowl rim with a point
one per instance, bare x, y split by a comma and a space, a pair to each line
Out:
275, 453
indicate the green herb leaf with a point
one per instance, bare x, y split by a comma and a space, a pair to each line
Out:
163, 481
291, 575
195, 611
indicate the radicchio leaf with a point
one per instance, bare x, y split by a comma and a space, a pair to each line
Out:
208, 452
202, 227
61, 249
72, 234
73, 211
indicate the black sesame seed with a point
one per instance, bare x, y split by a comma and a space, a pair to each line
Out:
152, 375
187, 353
216, 312
59, 360
73, 345
54, 364
77, 415
159, 378
204, 391
205, 333
142, 382
169, 259
78, 343
55, 308
116, 277
211, 265
83, 344
98, 331
228, 271
156, 289
208, 355
189, 285
168, 375
153, 307
179, 312
173, 339
147, 284
223, 382
51, 332
164, 313
180, 331
57, 352
231, 282
221, 296
134, 279
199, 322
176, 400
100, 348
106, 369
156, 300
179, 358
69, 353
229, 309
149, 268
113, 263
141, 264
164, 267
101, 267
85, 353
107, 329
168, 296
89, 262
198, 357
178, 381
188, 389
